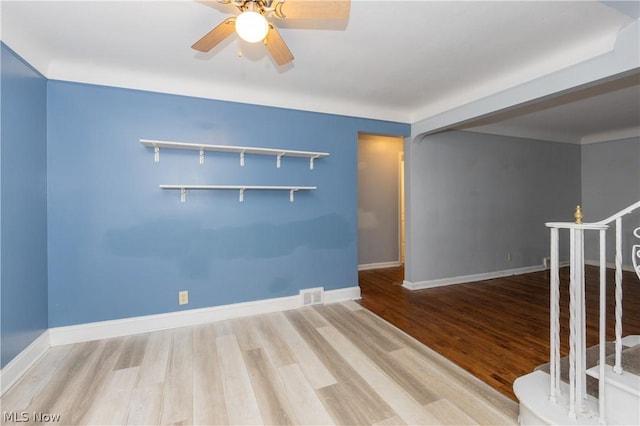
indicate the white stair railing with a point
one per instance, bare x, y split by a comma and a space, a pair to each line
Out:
635, 253
635, 250
577, 315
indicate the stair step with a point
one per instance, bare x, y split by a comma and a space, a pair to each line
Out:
622, 395
631, 340
626, 381
630, 359
532, 390
592, 356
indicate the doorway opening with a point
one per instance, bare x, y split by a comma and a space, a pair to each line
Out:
381, 218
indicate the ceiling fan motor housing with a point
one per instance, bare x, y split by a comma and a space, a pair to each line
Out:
252, 24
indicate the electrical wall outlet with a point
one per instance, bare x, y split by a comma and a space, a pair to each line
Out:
183, 297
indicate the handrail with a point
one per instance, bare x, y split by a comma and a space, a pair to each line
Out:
577, 335
621, 213
571, 225
595, 225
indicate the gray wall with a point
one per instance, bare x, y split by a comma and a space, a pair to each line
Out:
611, 182
473, 198
378, 198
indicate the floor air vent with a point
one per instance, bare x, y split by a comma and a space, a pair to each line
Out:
312, 296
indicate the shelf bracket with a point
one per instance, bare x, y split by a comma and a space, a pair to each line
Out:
279, 159
241, 197
201, 155
156, 153
291, 196
241, 158
183, 195
311, 161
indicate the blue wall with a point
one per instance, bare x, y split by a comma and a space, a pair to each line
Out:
23, 230
120, 247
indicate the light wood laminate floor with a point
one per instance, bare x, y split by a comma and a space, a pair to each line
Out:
498, 330
330, 364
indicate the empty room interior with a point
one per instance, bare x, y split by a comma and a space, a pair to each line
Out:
320, 212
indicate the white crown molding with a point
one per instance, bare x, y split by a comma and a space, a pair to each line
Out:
50, 62
420, 285
210, 89
12, 372
539, 67
620, 58
612, 135
156, 81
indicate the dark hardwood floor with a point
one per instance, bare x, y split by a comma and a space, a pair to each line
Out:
497, 329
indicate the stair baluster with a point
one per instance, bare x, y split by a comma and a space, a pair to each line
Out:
576, 402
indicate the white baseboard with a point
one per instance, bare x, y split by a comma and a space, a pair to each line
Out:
115, 328
23, 361
342, 294
561, 264
380, 265
546, 263
144, 324
610, 265
470, 278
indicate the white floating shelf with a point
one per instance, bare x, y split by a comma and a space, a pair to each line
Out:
240, 188
242, 150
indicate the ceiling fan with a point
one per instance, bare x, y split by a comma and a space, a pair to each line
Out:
253, 25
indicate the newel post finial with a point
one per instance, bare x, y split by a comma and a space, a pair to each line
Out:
578, 215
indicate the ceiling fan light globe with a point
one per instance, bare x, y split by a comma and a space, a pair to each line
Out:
251, 26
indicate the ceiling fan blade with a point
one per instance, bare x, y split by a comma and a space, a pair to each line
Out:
277, 47
215, 36
313, 9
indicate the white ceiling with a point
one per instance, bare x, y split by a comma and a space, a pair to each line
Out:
606, 112
395, 60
